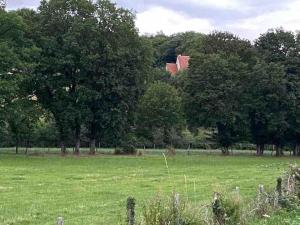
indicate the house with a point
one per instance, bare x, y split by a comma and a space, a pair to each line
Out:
181, 64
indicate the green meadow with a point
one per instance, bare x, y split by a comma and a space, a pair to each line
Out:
90, 190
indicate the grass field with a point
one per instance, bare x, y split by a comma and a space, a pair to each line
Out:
86, 190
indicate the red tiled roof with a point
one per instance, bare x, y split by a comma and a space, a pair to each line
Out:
171, 68
183, 62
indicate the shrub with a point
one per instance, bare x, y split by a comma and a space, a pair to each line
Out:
291, 181
227, 209
140, 153
263, 204
288, 189
128, 144
126, 150
170, 151
118, 151
129, 149
170, 211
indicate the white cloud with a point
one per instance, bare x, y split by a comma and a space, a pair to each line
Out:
158, 19
17, 4
222, 4
288, 18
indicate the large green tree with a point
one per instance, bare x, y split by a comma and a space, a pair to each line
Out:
282, 47
268, 106
16, 106
214, 96
276, 45
115, 71
160, 112
92, 67
293, 75
63, 29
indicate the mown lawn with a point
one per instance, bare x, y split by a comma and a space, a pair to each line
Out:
87, 190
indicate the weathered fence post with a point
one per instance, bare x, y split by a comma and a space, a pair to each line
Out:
238, 193
130, 211
279, 187
261, 189
60, 221
176, 206
279, 191
218, 211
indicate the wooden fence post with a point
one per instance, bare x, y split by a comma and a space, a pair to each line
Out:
130, 211
218, 210
60, 221
176, 206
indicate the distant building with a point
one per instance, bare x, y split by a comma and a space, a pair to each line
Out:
181, 64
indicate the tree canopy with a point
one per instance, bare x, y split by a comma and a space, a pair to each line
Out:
78, 72
160, 110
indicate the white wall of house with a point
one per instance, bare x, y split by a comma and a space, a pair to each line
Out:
178, 63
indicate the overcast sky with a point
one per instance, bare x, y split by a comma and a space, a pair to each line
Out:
247, 18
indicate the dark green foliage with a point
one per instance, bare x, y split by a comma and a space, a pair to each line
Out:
83, 66
18, 111
160, 110
128, 144
268, 104
86, 73
115, 75
45, 132
225, 43
214, 96
277, 45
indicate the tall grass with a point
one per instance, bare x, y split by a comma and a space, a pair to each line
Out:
227, 208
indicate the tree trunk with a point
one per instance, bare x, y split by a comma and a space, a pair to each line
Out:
296, 150
277, 149
26, 149
77, 146
62, 134
262, 149
63, 147
258, 149
93, 146
17, 146
225, 151
93, 139
77, 140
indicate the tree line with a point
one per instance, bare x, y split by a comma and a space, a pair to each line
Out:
77, 73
